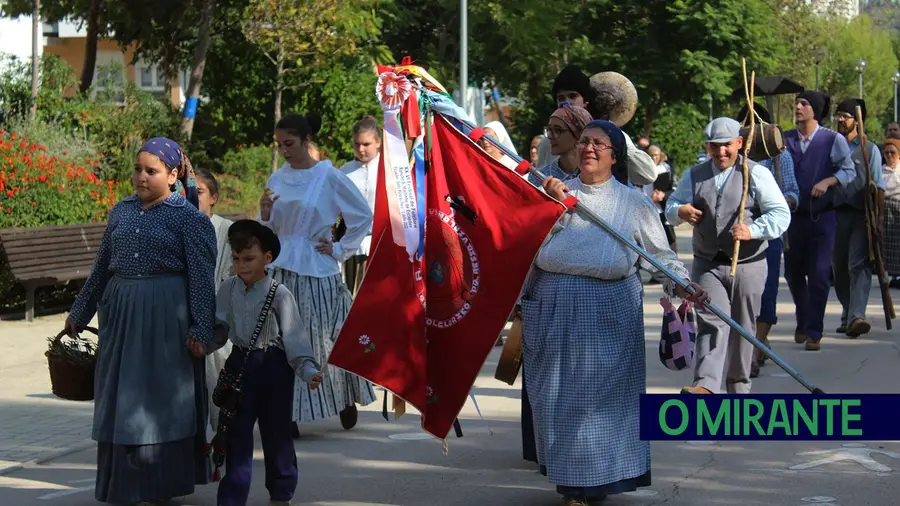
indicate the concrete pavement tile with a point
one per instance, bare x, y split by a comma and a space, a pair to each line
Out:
8, 466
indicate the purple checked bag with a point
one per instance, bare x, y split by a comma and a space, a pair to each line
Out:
676, 344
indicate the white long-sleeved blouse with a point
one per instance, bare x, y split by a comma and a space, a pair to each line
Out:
309, 202
580, 247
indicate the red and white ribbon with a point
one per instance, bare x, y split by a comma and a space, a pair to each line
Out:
392, 91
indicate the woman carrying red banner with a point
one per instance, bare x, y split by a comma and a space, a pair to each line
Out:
583, 328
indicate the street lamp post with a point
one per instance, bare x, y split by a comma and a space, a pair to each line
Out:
895, 79
861, 68
463, 52
818, 54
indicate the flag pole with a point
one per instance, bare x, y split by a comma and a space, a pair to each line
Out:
665, 270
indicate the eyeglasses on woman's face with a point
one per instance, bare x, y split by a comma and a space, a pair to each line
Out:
555, 132
598, 146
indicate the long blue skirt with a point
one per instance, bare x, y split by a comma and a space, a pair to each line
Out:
150, 408
583, 342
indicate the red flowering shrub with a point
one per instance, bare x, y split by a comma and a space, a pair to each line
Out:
38, 189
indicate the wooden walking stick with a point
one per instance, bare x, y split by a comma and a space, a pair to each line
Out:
873, 225
749, 93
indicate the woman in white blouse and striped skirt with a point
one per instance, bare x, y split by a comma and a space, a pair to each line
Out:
301, 204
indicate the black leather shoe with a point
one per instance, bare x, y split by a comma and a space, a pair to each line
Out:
349, 416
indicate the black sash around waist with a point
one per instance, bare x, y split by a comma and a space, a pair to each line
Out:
723, 258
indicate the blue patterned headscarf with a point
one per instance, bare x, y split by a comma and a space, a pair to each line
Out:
174, 158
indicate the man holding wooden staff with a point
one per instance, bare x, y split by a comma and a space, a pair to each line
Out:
709, 198
821, 162
852, 268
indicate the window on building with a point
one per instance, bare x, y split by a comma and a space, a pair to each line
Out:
146, 79
150, 77
109, 76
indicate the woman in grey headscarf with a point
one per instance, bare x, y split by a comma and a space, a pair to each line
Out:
563, 131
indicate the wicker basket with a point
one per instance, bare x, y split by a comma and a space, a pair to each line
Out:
72, 366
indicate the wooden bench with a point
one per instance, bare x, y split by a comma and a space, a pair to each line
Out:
46, 256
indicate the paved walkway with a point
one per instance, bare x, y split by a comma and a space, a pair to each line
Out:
385, 463
35, 425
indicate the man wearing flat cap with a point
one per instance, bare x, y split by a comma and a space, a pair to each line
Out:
709, 198
821, 163
851, 266
574, 86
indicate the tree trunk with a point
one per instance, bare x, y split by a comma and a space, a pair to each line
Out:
35, 63
90, 45
166, 67
279, 87
649, 116
193, 90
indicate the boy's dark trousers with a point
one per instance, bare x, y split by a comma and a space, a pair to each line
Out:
267, 397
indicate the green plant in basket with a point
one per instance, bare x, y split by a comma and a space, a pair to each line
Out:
72, 365
76, 350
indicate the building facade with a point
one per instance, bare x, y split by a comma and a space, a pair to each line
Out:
113, 67
845, 8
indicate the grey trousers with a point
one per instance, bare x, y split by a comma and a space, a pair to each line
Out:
720, 350
852, 270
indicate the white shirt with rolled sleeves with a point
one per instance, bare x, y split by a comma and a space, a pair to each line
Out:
775, 218
641, 167
308, 205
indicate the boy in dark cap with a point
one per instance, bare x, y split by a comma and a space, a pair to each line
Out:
270, 347
852, 269
574, 86
821, 160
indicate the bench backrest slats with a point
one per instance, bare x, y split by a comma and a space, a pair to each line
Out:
58, 252
50, 244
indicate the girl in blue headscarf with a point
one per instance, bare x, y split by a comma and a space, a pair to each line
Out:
171, 154
152, 287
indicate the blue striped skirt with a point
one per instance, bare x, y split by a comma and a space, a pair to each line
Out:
324, 304
150, 407
583, 343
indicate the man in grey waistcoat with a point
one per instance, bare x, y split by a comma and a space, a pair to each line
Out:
709, 198
850, 263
